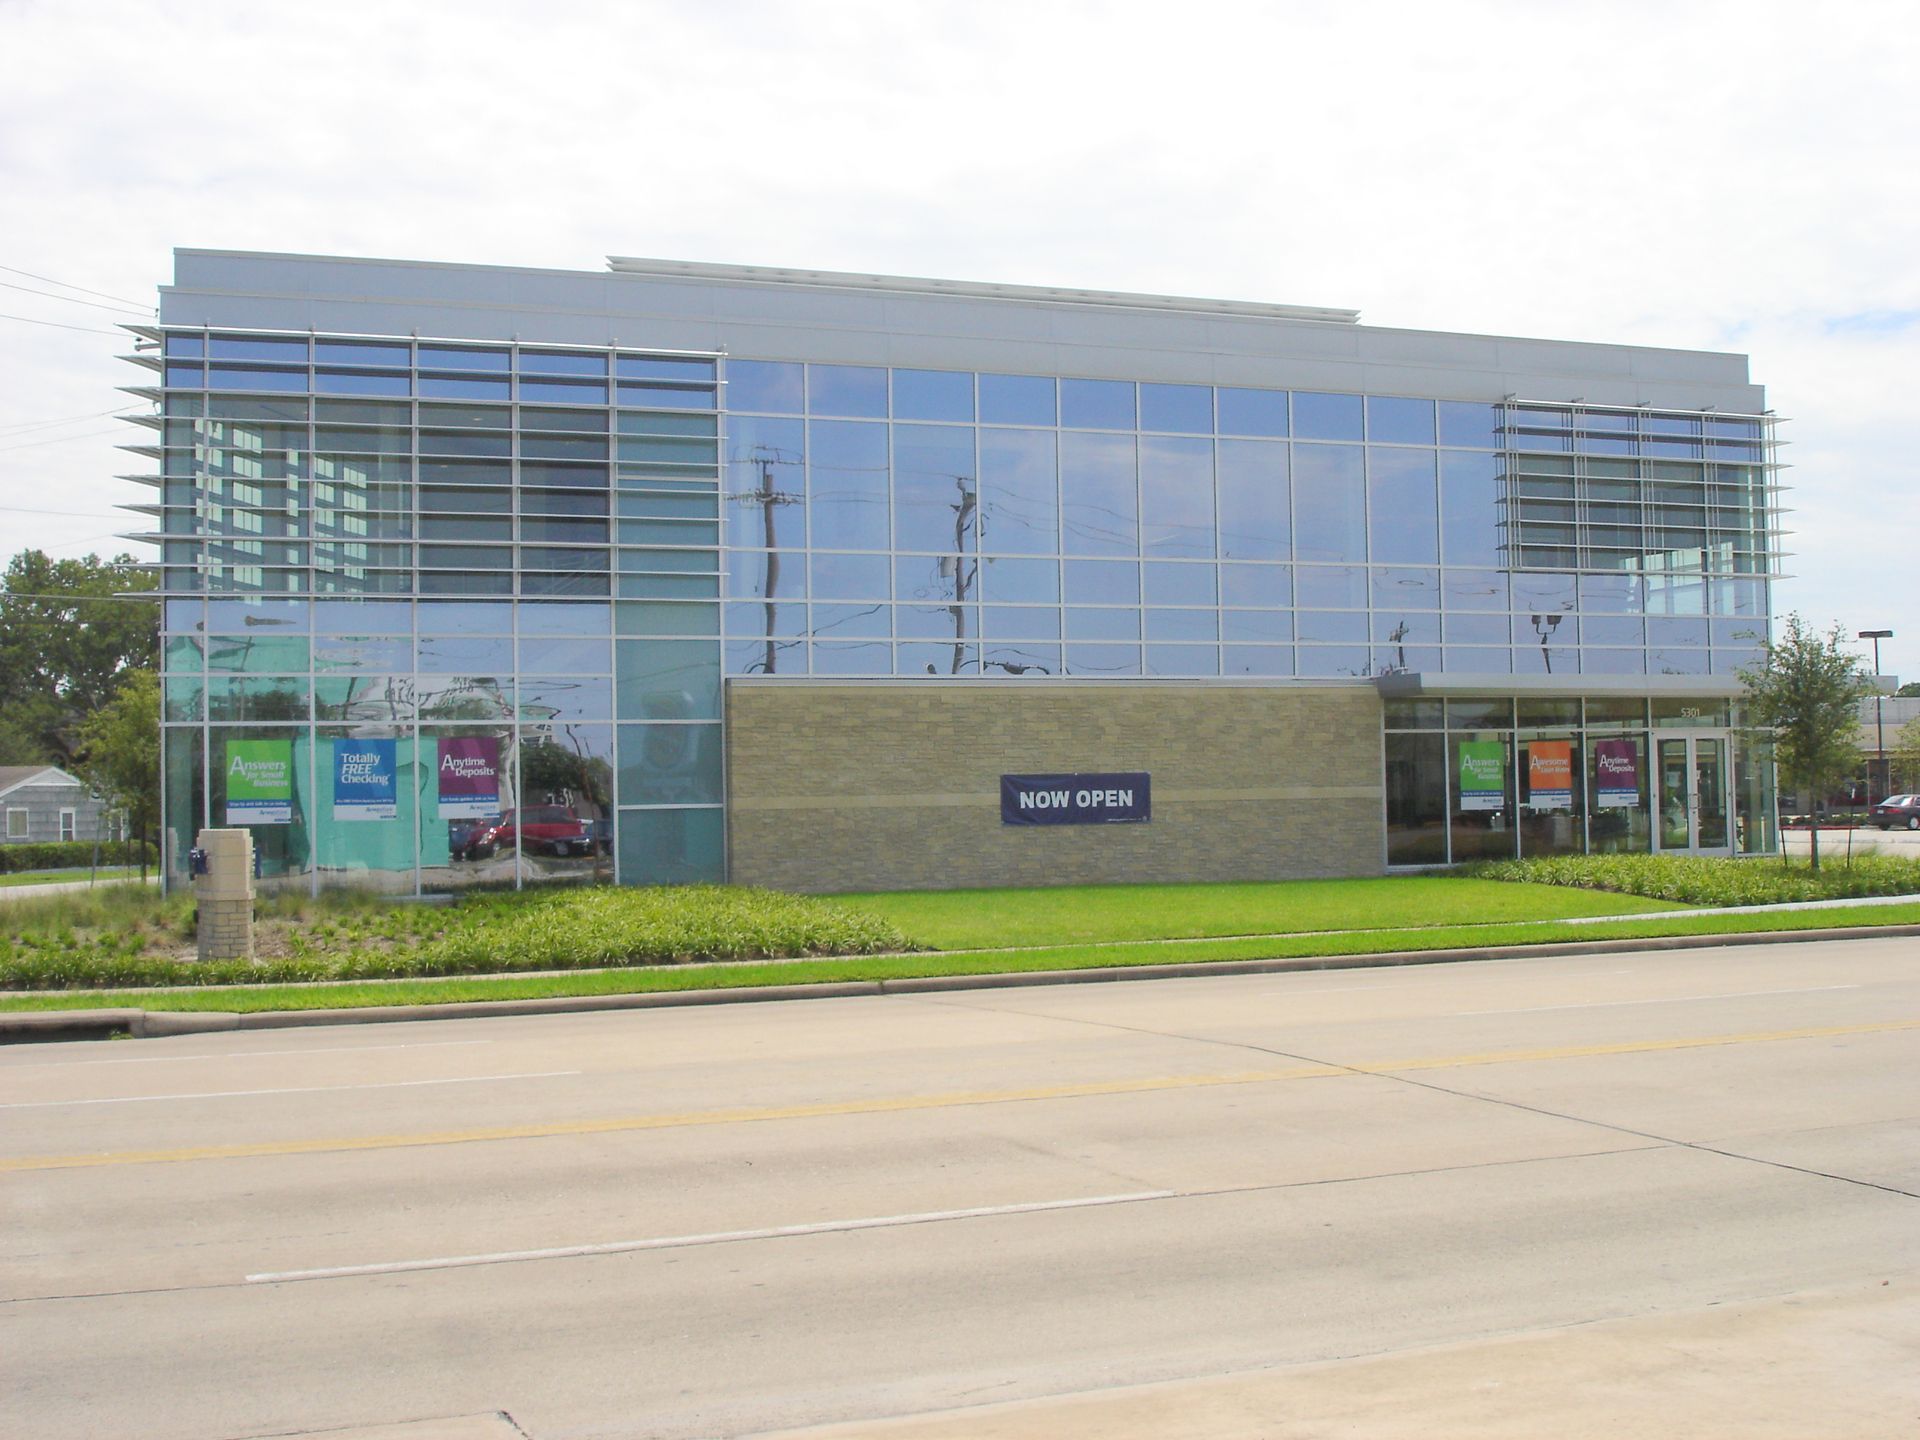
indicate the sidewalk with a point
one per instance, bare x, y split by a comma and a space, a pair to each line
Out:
65, 887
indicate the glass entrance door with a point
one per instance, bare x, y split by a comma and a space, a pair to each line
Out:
1693, 794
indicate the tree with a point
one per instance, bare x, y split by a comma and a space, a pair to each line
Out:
1904, 757
120, 743
66, 639
1806, 689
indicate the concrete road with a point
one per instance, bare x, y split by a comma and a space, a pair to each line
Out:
1865, 839
1506, 1198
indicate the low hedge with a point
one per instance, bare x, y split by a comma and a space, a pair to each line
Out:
1704, 880
72, 854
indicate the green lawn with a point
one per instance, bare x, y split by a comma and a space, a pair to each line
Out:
1081, 914
60, 877
871, 968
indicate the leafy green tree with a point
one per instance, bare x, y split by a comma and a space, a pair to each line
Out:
120, 745
66, 639
1806, 689
1904, 756
1912, 687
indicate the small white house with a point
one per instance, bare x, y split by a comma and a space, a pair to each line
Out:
40, 803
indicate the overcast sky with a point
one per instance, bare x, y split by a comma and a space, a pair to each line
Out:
1701, 175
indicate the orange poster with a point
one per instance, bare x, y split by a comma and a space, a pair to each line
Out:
1549, 774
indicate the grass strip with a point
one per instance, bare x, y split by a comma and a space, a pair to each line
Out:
823, 971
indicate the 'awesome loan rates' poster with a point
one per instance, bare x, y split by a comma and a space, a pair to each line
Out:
469, 770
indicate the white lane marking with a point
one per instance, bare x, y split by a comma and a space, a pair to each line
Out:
243, 1054
719, 1237
290, 1090
1662, 1000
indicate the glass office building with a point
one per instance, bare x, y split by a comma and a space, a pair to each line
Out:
461, 564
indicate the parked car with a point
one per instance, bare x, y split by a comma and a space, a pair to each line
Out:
1901, 810
545, 829
461, 833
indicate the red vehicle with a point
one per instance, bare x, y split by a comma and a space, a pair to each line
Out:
540, 829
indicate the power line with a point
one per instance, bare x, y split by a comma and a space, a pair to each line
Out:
60, 440
83, 329
70, 299
76, 514
26, 427
49, 280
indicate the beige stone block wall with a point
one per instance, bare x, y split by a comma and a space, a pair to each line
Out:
838, 786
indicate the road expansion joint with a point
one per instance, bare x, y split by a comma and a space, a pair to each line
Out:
1388, 1072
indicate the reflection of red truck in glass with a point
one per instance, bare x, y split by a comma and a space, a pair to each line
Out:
540, 829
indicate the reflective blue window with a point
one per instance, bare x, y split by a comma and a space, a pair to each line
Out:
935, 490
668, 397
1329, 502
852, 658
1176, 496
1025, 582
464, 357
1330, 587
1017, 400
464, 387
1102, 624
1102, 582
1019, 492
847, 485
1097, 404
935, 622
855, 391
1404, 504
1327, 661
186, 346
564, 392
1265, 660
1255, 500
1472, 509
1099, 499
1183, 624
192, 377
238, 347
243, 377
359, 352
361, 382
1474, 589
1400, 627
1021, 659
1401, 588
1183, 409
561, 362
1256, 585
1474, 427
1021, 622
851, 577
1611, 594
1253, 412
1330, 626
867, 620
933, 395
1544, 592
768, 385
1471, 629
1164, 583
1393, 421
1183, 660
765, 482
1108, 660
1260, 626
662, 367
1326, 417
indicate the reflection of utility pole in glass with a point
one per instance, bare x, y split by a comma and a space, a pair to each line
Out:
1544, 626
1879, 721
764, 458
963, 511
1398, 635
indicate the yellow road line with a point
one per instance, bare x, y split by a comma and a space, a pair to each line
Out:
900, 1103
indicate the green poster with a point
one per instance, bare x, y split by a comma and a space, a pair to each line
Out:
259, 782
1483, 775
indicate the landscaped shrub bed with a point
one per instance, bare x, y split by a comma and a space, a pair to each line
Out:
71, 854
125, 938
1702, 880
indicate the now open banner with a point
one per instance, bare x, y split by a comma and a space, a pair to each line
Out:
1124, 798
259, 782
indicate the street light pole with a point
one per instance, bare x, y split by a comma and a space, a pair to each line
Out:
1879, 722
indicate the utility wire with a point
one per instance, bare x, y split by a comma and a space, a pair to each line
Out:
61, 440
84, 329
18, 428
75, 514
70, 299
49, 280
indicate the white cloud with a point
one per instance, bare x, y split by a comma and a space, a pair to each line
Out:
1703, 175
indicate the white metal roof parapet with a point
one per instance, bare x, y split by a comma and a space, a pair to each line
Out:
971, 289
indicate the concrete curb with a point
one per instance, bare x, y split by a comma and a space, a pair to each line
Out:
48, 1025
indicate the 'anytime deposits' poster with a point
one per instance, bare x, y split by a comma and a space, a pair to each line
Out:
365, 780
469, 776
259, 782
1617, 769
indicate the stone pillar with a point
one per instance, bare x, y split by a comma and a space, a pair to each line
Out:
225, 895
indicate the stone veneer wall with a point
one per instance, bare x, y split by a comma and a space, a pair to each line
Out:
896, 785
